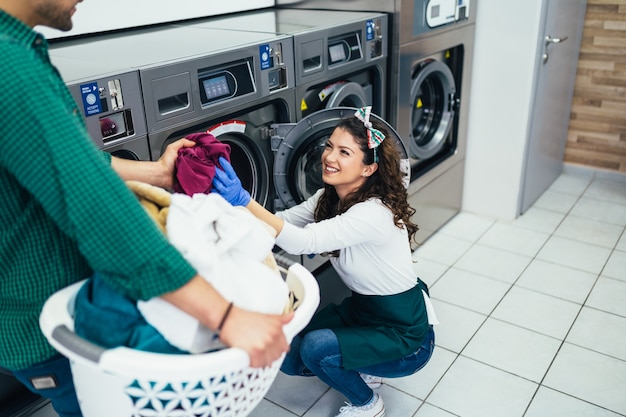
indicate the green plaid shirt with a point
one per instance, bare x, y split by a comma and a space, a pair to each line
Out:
64, 211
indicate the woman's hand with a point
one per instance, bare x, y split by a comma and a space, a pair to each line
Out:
228, 185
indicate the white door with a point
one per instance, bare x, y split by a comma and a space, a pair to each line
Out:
559, 45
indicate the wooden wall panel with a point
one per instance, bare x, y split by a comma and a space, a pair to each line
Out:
597, 129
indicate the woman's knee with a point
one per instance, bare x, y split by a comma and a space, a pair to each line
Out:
292, 364
319, 345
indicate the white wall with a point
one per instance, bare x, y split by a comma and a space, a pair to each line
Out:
101, 15
499, 109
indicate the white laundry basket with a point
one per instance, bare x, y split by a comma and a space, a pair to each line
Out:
124, 382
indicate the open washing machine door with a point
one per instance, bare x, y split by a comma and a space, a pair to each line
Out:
298, 151
434, 103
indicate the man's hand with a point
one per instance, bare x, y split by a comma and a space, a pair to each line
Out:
159, 173
168, 160
260, 335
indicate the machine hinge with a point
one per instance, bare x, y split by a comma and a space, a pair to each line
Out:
267, 132
454, 102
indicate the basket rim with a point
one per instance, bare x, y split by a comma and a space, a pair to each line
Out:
57, 325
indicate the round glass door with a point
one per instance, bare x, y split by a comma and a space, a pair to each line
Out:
338, 94
247, 158
125, 154
297, 163
252, 168
433, 99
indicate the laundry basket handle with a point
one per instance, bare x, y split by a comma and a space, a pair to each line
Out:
71, 342
308, 290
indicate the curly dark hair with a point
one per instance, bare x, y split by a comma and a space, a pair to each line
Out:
386, 183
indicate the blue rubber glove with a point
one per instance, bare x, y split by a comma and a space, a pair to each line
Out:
227, 184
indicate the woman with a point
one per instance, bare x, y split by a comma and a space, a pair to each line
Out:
362, 218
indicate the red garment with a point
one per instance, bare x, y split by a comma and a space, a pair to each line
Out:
195, 167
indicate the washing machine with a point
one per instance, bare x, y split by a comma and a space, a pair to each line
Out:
109, 100
234, 92
407, 21
431, 49
340, 59
432, 108
340, 56
232, 83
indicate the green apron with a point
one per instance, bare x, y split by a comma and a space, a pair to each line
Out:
373, 329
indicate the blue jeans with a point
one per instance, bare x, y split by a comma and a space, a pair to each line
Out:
57, 372
318, 354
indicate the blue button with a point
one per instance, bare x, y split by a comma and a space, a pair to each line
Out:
369, 35
264, 55
91, 98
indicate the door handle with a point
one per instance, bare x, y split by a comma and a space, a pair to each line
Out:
549, 40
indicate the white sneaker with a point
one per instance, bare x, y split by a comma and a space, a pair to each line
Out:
375, 408
374, 382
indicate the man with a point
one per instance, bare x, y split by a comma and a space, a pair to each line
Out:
66, 213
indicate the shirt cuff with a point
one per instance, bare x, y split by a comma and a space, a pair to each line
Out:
107, 156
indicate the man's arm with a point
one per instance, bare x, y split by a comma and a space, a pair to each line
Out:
159, 173
260, 335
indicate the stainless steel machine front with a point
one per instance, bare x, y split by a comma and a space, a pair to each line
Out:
187, 79
431, 53
241, 84
340, 57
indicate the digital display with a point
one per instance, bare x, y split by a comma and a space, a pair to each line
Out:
434, 12
216, 87
337, 53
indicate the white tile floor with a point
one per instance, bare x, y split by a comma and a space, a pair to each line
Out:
532, 312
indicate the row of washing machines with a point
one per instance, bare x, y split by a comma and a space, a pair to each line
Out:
270, 83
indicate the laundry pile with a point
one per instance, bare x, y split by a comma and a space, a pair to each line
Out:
227, 245
230, 248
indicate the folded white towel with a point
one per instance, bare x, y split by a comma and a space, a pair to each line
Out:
227, 245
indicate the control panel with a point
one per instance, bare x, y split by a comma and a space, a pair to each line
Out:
111, 107
433, 14
319, 54
191, 89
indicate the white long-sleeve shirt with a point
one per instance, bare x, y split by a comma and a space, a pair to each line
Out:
375, 256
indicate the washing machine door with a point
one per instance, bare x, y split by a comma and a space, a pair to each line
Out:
298, 154
247, 157
338, 94
434, 103
136, 149
125, 154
